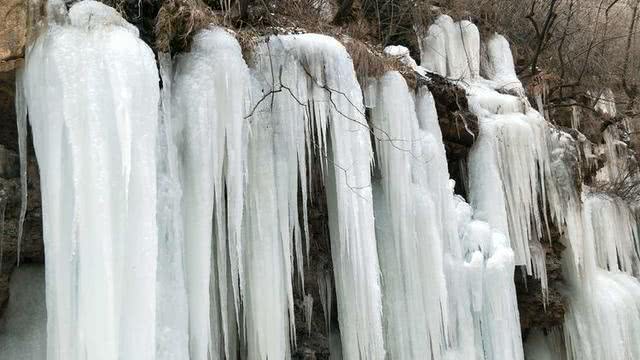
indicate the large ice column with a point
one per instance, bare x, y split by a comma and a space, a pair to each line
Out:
92, 92
315, 105
452, 49
604, 307
603, 316
510, 157
563, 197
600, 234
615, 233
497, 65
23, 332
506, 166
433, 47
486, 285
267, 294
208, 109
616, 169
438, 263
408, 225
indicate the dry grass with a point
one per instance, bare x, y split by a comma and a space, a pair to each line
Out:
119, 5
248, 39
368, 62
179, 20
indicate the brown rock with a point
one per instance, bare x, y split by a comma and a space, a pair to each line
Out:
13, 32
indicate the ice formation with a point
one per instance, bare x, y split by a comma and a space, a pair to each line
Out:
600, 233
498, 65
312, 98
408, 227
602, 320
509, 159
448, 281
172, 326
605, 102
207, 112
247, 137
96, 151
175, 221
451, 49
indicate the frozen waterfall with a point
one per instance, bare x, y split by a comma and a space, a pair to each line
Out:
176, 203
91, 88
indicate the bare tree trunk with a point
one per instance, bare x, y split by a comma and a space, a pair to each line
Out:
345, 12
244, 9
543, 34
630, 89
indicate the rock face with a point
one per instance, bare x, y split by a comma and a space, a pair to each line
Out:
32, 248
13, 35
531, 305
13, 32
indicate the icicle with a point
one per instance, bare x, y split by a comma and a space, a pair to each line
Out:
615, 233
99, 212
601, 238
172, 311
617, 164
433, 54
575, 117
499, 65
512, 144
315, 103
267, 282
325, 288
308, 311
509, 159
409, 244
605, 102
21, 116
208, 108
452, 49
539, 268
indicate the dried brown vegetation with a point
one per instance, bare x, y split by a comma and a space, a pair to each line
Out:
179, 20
369, 62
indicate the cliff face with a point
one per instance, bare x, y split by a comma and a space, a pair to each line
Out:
13, 32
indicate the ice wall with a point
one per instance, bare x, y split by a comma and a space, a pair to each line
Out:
246, 138
315, 105
509, 160
182, 234
91, 87
207, 110
409, 229
518, 168
600, 233
448, 278
602, 317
